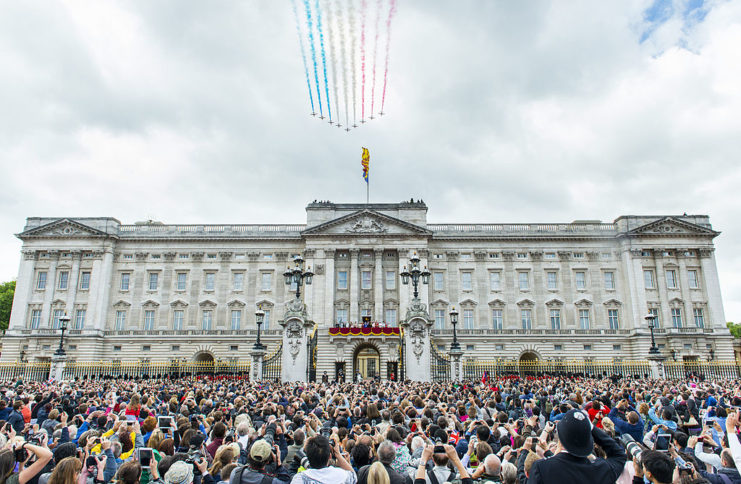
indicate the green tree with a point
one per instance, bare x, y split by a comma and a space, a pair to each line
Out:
7, 290
735, 329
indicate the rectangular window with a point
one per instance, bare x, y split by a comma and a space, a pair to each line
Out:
677, 317
526, 316
578, 255
557, 347
552, 280
693, 280
549, 255
438, 281
581, 279
210, 281
523, 279
153, 280
648, 279
587, 347
236, 319
63, 279
177, 319
391, 317
125, 278
699, 317
79, 319
85, 281
58, 313
499, 347
555, 319
521, 255
466, 281
365, 313
266, 281
266, 321
584, 318
238, 281
671, 279
41, 280
617, 347
612, 318
495, 280
390, 280
342, 315
497, 319
35, 319
609, 281
439, 318
468, 319
655, 313
207, 320
120, 320
149, 320
365, 277
182, 281
341, 279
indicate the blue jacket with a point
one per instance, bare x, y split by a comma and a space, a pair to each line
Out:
623, 427
670, 424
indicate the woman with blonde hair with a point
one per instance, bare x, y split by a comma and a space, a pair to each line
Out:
223, 457
67, 471
377, 474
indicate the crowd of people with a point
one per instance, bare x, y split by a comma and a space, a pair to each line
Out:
201, 430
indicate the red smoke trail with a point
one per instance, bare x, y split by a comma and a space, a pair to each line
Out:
392, 11
362, 59
375, 51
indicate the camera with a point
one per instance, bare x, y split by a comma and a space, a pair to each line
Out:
91, 461
373, 423
631, 446
439, 448
270, 434
20, 454
194, 456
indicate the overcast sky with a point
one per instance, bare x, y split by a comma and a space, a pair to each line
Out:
537, 111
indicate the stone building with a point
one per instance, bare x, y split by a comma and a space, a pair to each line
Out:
577, 290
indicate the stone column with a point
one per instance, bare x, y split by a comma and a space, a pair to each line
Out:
417, 325
257, 355
328, 316
74, 282
100, 288
51, 285
716, 318
657, 366
404, 291
378, 283
456, 364
309, 289
296, 327
354, 286
684, 288
56, 370
633, 269
23, 290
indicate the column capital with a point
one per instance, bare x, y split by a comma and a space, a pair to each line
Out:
28, 254
329, 253
354, 252
706, 252
378, 251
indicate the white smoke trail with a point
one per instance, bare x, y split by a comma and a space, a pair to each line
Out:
327, 5
353, 61
375, 56
341, 28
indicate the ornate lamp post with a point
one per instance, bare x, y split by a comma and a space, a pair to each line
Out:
414, 273
63, 323
651, 320
454, 321
297, 275
260, 318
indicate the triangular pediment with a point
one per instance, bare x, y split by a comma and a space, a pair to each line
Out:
367, 222
63, 228
671, 226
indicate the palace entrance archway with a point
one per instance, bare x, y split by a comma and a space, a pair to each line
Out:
528, 363
366, 361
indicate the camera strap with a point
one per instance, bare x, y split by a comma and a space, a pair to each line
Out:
724, 478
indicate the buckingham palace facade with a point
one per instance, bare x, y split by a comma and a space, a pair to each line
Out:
578, 290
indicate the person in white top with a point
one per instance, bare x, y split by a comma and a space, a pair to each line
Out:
318, 451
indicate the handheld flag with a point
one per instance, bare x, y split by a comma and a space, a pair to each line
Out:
366, 164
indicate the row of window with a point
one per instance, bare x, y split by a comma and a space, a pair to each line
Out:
366, 280
178, 319
78, 322
209, 281
670, 276
390, 315
62, 282
523, 280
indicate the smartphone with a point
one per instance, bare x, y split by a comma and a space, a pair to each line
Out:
144, 456
662, 442
164, 423
130, 418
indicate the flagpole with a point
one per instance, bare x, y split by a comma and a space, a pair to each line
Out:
367, 191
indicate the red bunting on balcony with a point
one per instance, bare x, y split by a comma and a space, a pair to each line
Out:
364, 331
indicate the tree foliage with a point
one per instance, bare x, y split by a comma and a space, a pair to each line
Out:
735, 329
7, 290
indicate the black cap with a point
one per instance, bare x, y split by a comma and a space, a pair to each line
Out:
575, 433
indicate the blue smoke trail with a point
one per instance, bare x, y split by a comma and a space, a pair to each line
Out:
313, 54
324, 57
303, 53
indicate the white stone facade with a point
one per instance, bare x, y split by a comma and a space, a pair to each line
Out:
558, 291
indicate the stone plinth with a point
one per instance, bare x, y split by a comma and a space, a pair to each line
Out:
417, 326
